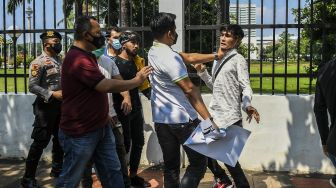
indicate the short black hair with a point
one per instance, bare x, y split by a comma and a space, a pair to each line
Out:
113, 28
82, 24
162, 23
234, 29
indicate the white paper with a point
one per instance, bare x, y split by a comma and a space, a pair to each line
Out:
226, 149
209, 132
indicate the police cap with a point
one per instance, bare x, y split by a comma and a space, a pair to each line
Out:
50, 34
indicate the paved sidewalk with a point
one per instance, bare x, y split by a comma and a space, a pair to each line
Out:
12, 170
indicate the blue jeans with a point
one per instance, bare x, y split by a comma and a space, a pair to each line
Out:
98, 145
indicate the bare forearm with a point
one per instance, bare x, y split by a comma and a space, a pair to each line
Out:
116, 86
196, 101
125, 94
195, 58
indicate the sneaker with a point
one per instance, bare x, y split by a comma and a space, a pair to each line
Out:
29, 183
219, 184
333, 181
138, 181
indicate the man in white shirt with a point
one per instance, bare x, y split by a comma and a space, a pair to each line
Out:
231, 91
175, 102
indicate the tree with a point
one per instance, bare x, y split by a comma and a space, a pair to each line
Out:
324, 13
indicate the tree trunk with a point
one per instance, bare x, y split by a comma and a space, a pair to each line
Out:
124, 20
79, 8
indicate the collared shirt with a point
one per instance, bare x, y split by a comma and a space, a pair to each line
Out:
325, 101
45, 76
109, 69
231, 86
169, 103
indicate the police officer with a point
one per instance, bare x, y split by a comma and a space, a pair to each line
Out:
45, 83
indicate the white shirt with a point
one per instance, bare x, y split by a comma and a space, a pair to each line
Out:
232, 81
168, 101
108, 68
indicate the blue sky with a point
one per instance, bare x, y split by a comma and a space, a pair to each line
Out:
268, 14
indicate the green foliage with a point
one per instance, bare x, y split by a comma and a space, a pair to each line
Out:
322, 38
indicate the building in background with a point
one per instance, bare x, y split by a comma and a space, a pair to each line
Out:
244, 13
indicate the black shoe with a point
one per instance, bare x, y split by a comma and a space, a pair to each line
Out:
333, 181
54, 173
138, 181
29, 183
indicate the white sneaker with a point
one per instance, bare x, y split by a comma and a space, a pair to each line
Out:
333, 181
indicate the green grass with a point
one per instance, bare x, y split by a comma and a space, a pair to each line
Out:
279, 83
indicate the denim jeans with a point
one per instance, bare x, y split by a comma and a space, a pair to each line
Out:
171, 137
99, 146
119, 139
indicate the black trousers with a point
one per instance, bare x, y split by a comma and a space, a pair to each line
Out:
236, 172
134, 139
171, 137
47, 118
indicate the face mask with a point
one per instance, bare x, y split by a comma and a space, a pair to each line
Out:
116, 44
98, 42
99, 52
57, 48
175, 39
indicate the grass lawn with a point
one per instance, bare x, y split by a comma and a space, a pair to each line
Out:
255, 82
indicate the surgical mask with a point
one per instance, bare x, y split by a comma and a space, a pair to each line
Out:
99, 52
98, 42
116, 44
57, 48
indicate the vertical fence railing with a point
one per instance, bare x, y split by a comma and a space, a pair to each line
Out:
268, 77
45, 16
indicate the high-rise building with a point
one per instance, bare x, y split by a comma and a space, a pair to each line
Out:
246, 15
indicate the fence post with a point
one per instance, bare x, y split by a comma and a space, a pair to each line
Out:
176, 7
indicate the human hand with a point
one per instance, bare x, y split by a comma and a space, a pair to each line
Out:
144, 73
113, 120
126, 105
57, 95
252, 113
220, 53
199, 67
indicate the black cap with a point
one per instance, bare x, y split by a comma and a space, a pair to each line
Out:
128, 36
50, 34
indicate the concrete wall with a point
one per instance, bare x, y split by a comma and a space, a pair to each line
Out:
287, 138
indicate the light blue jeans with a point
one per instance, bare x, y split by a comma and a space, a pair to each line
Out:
98, 145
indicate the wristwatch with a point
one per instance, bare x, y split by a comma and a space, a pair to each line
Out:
216, 57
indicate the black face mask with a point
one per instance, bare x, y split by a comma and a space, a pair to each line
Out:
98, 42
57, 48
175, 39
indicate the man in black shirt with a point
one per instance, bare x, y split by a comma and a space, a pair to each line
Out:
129, 63
325, 101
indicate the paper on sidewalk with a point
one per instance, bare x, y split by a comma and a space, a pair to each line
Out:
226, 149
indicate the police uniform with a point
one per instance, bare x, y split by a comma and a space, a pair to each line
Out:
44, 78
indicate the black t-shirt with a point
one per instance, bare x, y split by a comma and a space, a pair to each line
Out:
128, 71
